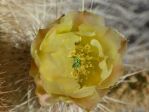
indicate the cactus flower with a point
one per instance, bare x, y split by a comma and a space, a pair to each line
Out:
76, 59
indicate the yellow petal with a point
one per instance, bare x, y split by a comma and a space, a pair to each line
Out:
55, 64
113, 44
89, 102
44, 98
92, 29
46, 45
86, 34
96, 43
66, 24
113, 77
83, 92
54, 42
105, 71
36, 44
117, 39
89, 18
60, 85
63, 45
34, 72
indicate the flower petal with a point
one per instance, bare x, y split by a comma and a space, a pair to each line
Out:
60, 85
113, 45
44, 98
97, 44
89, 18
117, 39
36, 44
65, 25
114, 76
62, 46
88, 102
105, 71
54, 42
83, 92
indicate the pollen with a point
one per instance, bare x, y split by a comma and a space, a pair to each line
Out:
82, 62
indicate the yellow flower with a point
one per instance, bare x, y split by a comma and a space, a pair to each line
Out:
77, 59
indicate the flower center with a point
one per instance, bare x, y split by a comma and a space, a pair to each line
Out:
84, 62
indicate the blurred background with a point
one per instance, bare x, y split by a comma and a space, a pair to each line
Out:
20, 21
